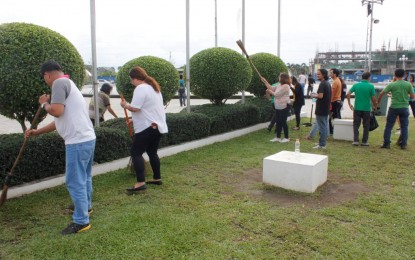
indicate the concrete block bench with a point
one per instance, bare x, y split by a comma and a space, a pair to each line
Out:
301, 172
343, 129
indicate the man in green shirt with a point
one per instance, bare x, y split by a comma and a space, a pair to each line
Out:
400, 90
364, 93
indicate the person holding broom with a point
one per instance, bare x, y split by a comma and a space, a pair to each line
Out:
71, 119
149, 120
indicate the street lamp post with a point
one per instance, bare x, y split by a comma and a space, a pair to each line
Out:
370, 4
403, 59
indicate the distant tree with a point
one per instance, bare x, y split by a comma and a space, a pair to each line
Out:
218, 73
161, 70
270, 67
23, 49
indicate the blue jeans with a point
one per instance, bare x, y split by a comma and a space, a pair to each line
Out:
322, 124
79, 159
314, 128
393, 113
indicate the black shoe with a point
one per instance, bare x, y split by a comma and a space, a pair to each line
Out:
155, 182
403, 147
132, 189
71, 209
74, 228
387, 146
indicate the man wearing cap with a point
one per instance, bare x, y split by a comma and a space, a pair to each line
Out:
71, 119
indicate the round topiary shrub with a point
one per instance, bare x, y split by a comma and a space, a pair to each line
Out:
161, 70
218, 73
23, 49
270, 67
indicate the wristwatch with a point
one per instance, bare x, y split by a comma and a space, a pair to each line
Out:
43, 105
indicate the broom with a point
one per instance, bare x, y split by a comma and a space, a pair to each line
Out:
9, 176
241, 45
130, 130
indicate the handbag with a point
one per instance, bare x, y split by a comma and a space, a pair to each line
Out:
373, 122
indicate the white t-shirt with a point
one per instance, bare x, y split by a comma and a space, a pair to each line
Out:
151, 108
74, 125
302, 79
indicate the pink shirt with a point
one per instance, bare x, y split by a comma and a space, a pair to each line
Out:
281, 96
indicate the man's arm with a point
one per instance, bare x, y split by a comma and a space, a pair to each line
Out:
375, 104
55, 109
46, 129
348, 99
380, 96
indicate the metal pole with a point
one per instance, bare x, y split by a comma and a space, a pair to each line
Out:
279, 28
94, 63
187, 57
216, 23
370, 39
367, 37
243, 40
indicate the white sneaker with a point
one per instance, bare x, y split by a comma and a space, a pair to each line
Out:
275, 140
284, 140
319, 147
355, 143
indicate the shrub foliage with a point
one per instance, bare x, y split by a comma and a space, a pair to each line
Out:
218, 73
161, 70
270, 67
23, 49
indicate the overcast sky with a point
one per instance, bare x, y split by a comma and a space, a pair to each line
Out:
127, 29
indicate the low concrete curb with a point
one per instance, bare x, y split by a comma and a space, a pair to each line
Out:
98, 169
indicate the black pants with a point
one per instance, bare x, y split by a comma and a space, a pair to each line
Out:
412, 104
358, 117
335, 113
281, 118
146, 141
297, 112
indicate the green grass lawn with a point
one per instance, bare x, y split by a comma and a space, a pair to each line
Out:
213, 205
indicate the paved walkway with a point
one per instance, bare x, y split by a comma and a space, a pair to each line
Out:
8, 126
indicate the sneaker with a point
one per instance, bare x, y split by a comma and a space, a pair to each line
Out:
284, 140
319, 147
275, 140
364, 144
355, 143
74, 228
386, 146
71, 209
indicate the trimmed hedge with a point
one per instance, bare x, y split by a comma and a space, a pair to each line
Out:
266, 110
23, 49
183, 127
218, 73
229, 117
161, 70
270, 67
44, 155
